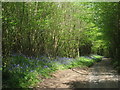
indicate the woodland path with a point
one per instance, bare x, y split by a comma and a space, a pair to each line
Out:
100, 75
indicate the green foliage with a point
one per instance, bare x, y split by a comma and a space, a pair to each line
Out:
60, 29
97, 58
87, 61
26, 72
52, 29
108, 22
57, 29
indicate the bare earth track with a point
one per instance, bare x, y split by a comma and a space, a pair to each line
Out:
100, 75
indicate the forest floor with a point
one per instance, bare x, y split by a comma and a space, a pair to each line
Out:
100, 75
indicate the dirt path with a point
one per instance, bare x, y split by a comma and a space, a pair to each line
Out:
101, 75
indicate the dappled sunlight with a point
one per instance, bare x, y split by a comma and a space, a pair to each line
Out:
101, 77
25, 68
52, 45
95, 84
84, 77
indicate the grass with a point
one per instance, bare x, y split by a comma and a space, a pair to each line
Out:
97, 58
24, 72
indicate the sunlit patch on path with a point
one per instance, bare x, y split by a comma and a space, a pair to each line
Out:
100, 75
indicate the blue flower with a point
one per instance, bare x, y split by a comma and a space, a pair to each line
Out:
17, 65
31, 70
21, 67
37, 66
45, 66
14, 55
10, 69
26, 66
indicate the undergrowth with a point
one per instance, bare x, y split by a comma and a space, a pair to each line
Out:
24, 72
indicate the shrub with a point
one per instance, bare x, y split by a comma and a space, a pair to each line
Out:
22, 71
97, 58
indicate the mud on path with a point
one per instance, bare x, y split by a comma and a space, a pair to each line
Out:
100, 75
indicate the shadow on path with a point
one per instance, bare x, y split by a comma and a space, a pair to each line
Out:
100, 75
85, 84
